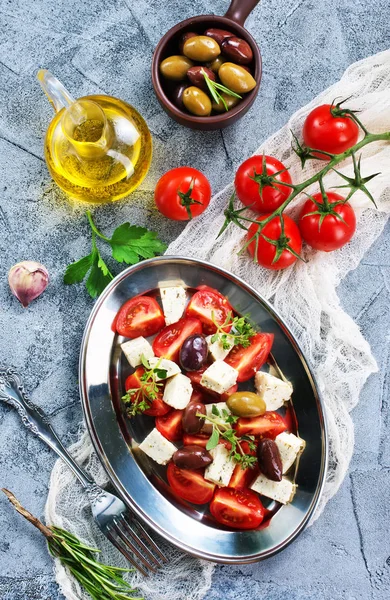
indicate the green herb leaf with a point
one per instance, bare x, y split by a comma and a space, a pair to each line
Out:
131, 243
215, 411
76, 272
213, 440
145, 362
161, 373
99, 276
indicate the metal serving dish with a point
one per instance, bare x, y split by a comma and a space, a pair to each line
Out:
141, 482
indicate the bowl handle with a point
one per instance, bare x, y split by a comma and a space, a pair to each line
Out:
239, 10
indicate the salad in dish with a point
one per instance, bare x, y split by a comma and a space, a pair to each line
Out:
223, 419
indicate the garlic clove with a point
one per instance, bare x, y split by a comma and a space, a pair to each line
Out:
27, 280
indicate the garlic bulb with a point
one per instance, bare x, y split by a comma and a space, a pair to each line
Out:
27, 280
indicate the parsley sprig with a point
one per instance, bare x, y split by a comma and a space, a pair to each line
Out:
222, 422
240, 334
129, 244
140, 399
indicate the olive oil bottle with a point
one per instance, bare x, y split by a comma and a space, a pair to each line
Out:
97, 148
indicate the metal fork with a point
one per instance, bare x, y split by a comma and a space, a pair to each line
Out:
113, 518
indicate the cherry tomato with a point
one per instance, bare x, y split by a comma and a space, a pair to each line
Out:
169, 425
238, 509
210, 307
141, 315
195, 440
242, 478
209, 395
168, 342
266, 252
249, 360
253, 186
268, 425
157, 406
190, 485
333, 232
323, 131
182, 193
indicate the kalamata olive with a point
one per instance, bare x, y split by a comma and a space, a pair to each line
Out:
195, 75
196, 101
219, 35
269, 461
215, 64
186, 36
189, 421
176, 94
236, 78
246, 404
201, 48
192, 457
193, 352
237, 50
231, 101
175, 67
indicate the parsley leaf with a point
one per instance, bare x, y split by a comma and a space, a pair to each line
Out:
77, 271
131, 243
99, 276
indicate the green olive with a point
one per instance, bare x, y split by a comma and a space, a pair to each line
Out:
215, 64
196, 101
246, 404
201, 48
236, 78
175, 67
231, 101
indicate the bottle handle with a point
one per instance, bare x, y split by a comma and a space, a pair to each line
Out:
54, 90
239, 10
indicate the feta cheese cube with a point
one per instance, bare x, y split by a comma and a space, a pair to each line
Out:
289, 446
216, 349
178, 391
274, 391
222, 467
134, 349
163, 363
219, 377
221, 406
174, 301
280, 491
158, 447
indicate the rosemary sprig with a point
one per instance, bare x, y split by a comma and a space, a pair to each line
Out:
240, 333
140, 398
214, 88
102, 582
222, 422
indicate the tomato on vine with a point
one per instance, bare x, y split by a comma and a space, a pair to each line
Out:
182, 193
257, 186
330, 128
277, 245
327, 225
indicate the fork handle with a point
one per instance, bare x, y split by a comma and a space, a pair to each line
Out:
12, 392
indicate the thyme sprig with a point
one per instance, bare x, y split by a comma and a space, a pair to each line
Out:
214, 88
240, 334
140, 398
102, 582
222, 421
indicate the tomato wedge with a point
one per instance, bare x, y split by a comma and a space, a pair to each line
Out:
237, 509
248, 361
169, 425
242, 478
138, 316
269, 425
210, 307
190, 439
208, 395
157, 406
190, 485
169, 341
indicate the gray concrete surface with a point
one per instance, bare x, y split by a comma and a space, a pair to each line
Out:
107, 46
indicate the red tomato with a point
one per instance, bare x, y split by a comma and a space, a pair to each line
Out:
242, 478
195, 440
323, 131
266, 252
238, 509
207, 305
208, 396
182, 193
170, 425
168, 342
249, 360
141, 315
268, 425
333, 232
190, 485
157, 406
253, 185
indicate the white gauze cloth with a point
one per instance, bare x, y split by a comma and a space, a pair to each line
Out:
305, 295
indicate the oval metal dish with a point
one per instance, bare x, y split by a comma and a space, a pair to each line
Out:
139, 481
